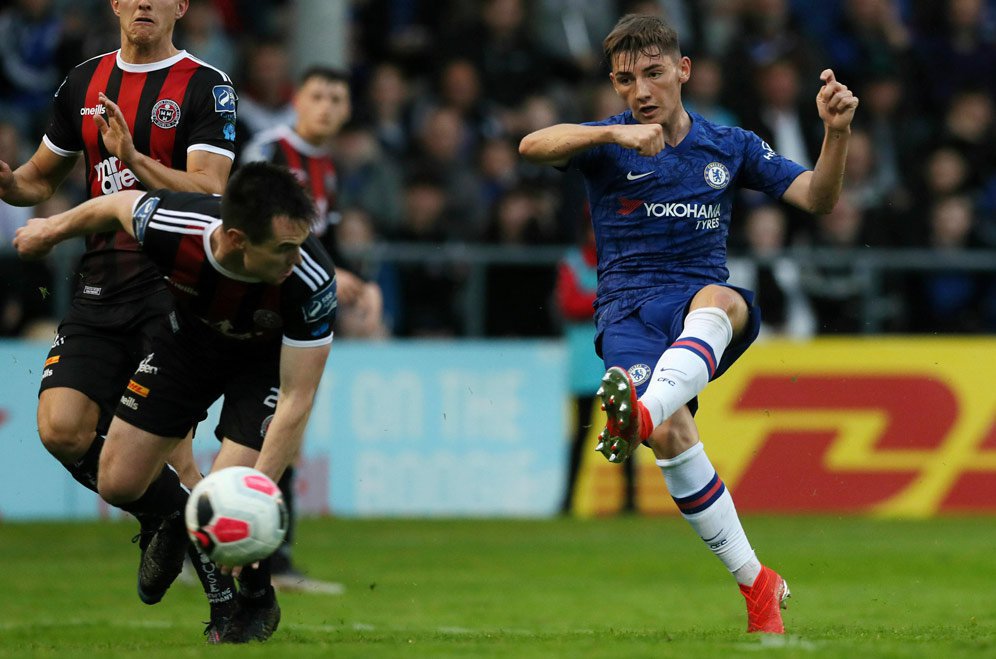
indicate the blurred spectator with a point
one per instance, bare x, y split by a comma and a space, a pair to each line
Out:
388, 109
969, 127
767, 32
202, 34
30, 34
836, 291
405, 31
572, 30
577, 279
518, 296
702, 92
459, 88
499, 163
368, 179
955, 50
896, 132
783, 116
265, 91
776, 279
950, 301
867, 36
428, 291
354, 233
499, 43
443, 150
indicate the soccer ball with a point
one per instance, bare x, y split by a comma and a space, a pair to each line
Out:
236, 516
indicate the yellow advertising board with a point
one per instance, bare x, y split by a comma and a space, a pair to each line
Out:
880, 426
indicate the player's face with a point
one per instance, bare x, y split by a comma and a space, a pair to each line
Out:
148, 22
322, 107
274, 259
650, 85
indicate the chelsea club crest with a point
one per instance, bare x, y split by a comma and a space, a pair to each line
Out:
717, 175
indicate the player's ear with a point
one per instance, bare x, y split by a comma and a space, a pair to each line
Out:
238, 239
114, 8
181, 8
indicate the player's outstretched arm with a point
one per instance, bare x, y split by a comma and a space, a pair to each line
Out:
301, 371
109, 213
817, 191
36, 180
556, 145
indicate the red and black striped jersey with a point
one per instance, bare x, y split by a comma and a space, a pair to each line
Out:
312, 165
221, 307
172, 107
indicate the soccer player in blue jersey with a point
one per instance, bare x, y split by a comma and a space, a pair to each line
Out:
661, 181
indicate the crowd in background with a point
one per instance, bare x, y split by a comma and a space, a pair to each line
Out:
443, 90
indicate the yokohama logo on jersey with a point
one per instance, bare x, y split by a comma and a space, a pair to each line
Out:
113, 177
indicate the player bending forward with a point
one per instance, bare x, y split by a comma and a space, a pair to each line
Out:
255, 302
661, 181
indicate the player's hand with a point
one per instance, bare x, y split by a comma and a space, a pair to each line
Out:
645, 139
32, 241
235, 570
347, 286
835, 102
6, 179
114, 130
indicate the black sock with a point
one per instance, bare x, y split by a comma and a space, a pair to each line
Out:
164, 498
84, 470
219, 588
254, 584
281, 560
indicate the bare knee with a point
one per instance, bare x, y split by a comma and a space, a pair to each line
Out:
726, 299
116, 484
675, 436
65, 434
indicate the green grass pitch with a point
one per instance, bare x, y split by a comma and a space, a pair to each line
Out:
621, 587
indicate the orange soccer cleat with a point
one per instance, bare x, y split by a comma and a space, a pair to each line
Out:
626, 417
765, 600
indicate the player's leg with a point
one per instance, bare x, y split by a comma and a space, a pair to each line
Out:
717, 315
707, 505
166, 396
134, 476
689, 475
257, 614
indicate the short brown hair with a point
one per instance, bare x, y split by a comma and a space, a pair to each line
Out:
641, 34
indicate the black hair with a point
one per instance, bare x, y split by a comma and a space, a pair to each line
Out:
324, 73
259, 192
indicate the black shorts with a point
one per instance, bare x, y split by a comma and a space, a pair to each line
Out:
181, 378
97, 347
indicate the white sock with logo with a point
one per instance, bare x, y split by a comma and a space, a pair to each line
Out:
705, 502
689, 363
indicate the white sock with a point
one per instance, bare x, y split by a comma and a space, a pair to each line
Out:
705, 502
689, 363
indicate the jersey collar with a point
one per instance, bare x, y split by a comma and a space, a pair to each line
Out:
302, 145
151, 66
216, 226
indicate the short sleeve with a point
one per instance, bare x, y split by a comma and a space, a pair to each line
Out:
765, 170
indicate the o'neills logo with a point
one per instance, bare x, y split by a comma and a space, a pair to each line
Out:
89, 112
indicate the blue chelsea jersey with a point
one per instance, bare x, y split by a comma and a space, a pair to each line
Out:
663, 221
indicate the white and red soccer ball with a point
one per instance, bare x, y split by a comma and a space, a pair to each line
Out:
236, 516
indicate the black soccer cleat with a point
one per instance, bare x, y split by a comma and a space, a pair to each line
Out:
162, 560
215, 627
252, 621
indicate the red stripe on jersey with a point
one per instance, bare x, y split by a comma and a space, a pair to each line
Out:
316, 173
228, 296
293, 157
187, 265
98, 83
175, 89
129, 96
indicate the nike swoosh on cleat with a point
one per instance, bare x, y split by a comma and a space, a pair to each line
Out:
632, 177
